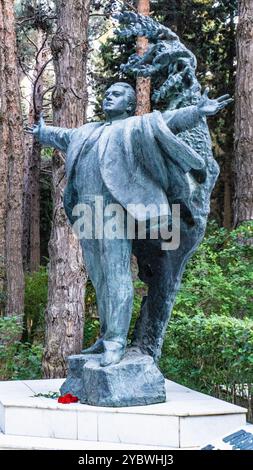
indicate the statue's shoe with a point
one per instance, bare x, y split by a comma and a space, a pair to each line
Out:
112, 357
96, 348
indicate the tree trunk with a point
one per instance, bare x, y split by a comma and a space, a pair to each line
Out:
11, 168
67, 277
3, 166
244, 115
227, 213
31, 216
228, 175
143, 85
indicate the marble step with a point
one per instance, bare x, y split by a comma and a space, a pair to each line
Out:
8, 442
188, 419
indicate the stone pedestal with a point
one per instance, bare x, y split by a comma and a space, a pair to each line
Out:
187, 420
135, 381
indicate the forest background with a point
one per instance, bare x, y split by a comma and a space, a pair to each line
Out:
58, 57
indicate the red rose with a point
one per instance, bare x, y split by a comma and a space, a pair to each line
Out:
68, 398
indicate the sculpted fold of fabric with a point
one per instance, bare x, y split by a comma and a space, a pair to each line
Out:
145, 155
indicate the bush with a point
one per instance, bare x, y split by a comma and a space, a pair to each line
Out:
17, 360
219, 277
36, 288
21, 345
212, 354
27, 362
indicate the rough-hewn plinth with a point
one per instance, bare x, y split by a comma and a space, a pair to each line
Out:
136, 380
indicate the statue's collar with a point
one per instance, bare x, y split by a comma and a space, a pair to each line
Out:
114, 121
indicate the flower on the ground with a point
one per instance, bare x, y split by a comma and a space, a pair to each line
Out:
68, 398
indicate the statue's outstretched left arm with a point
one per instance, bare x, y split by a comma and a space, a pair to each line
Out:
187, 118
50, 136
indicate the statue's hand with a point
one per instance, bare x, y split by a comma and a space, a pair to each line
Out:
209, 107
36, 129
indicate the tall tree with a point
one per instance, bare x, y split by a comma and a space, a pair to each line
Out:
31, 230
244, 115
11, 167
35, 24
143, 85
65, 309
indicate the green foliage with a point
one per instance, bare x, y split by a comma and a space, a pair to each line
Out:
10, 330
35, 304
91, 327
17, 360
3, 299
27, 362
91, 331
90, 298
21, 345
46, 211
52, 395
209, 352
209, 342
140, 290
219, 278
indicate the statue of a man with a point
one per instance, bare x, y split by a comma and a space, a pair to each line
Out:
133, 161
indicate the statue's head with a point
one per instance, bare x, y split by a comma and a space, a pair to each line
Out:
119, 100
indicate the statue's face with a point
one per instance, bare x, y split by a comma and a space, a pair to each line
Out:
116, 101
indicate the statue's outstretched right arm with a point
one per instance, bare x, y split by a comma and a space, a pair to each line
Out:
50, 136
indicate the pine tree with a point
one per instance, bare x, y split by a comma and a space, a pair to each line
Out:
65, 309
35, 24
143, 85
244, 115
11, 168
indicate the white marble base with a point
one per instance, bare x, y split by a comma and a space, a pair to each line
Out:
8, 442
188, 419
